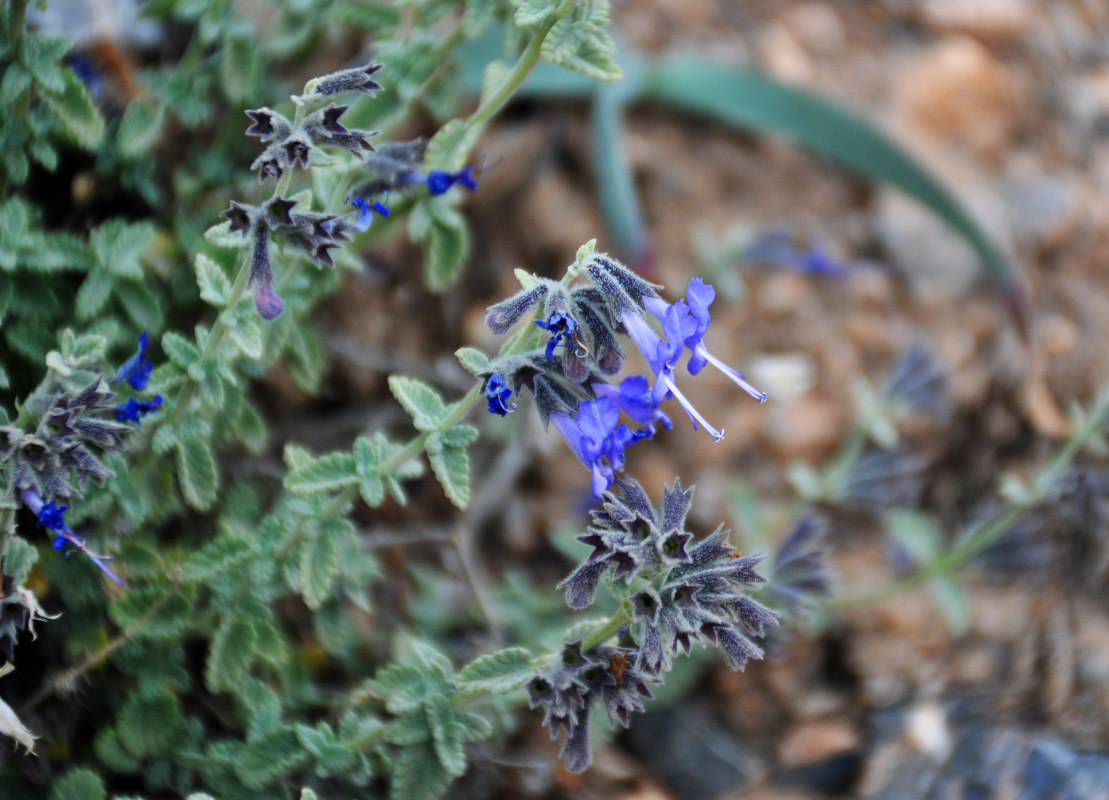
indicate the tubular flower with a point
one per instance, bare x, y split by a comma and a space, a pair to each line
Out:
136, 370
497, 393
134, 410
50, 516
597, 439
366, 210
683, 325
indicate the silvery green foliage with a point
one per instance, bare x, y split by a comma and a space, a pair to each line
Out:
212, 674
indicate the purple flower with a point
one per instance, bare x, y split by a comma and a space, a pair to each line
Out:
134, 410
266, 300
438, 181
497, 393
136, 370
366, 210
683, 325
596, 438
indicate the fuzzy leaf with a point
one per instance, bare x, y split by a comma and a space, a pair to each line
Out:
231, 654
216, 558
420, 400
268, 758
472, 360
916, 533
76, 111
446, 736
319, 565
366, 459
196, 473
418, 774
497, 673
78, 784
215, 288
237, 65
324, 474
954, 604
140, 126
451, 146
180, 350
451, 462
147, 724
93, 294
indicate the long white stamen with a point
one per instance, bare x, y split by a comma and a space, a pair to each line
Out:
736, 377
668, 382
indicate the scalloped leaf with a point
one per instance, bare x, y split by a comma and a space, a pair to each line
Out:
496, 673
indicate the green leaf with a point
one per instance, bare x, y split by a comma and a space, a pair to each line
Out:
752, 100
110, 751
418, 774
180, 350
93, 294
472, 360
220, 556
220, 235
140, 126
76, 111
78, 784
917, 533
497, 673
196, 473
451, 146
267, 759
324, 474
953, 603
231, 654
151, 613
237, 65
22, 556
246, 333
451, 463
446, 736
147, 724
215, 288
140, 304
366, 459
319, 565
446, 244
420, 400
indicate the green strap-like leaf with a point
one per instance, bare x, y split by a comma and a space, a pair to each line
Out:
752, 100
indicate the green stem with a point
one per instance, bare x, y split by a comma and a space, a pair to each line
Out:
983, 534
7, 531
620, 620
510, 84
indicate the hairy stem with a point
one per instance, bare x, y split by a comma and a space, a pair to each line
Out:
614, 627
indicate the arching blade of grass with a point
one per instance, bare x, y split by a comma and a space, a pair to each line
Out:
751, 100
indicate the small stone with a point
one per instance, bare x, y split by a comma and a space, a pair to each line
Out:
784, 56
1000, 20
818, 26
816, 741
807, 429
927, 731
783, 376
960, 93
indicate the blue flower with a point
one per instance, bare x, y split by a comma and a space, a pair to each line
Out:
136, 370
596, 437
684, 324
50, 516
636, 400
497, 393
134, 410
559, 326
366, 210
438, 181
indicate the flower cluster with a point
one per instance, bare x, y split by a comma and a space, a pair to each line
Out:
569, 373
677, 591
570, 684
293, 143
56, 460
